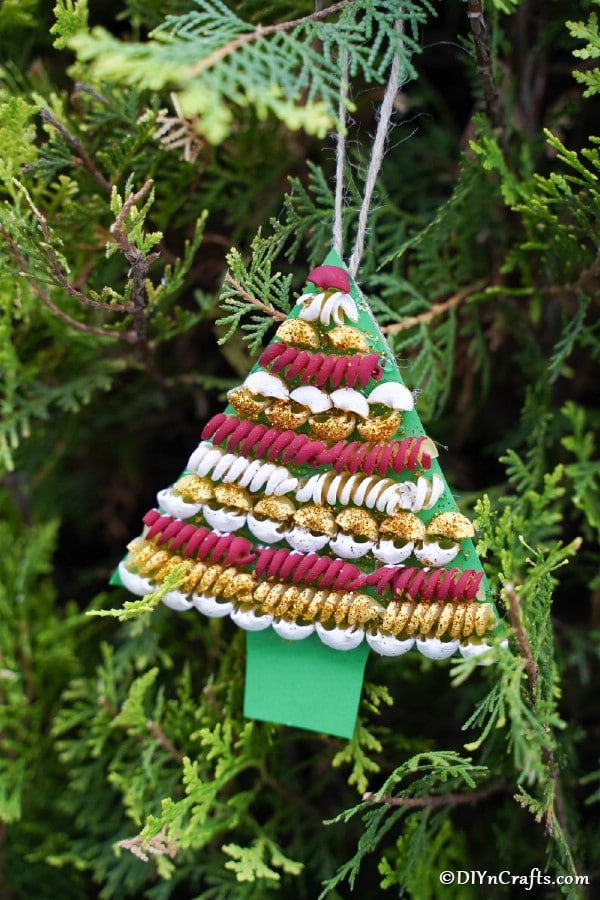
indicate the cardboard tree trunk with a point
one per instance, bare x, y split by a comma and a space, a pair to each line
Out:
314, 514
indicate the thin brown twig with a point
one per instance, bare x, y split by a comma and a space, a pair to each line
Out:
484, 61
159, 845
587, 282
87, 89
556, 806
164, 741
436, 310
77, 146
137, 260
128, 336
60, 276
437, 801
516, 621
264, 307
211, 59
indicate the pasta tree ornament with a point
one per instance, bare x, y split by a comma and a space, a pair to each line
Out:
315, 515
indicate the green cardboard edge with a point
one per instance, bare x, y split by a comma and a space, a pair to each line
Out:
303, 684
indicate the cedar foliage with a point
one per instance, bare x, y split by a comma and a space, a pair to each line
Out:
147, 199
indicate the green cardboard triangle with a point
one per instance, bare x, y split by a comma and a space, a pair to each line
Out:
315, 514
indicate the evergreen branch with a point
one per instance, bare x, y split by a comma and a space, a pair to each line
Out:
128, 336
258, 34
484, 61
219, 61
522, 642
59, 276
138, 261
264, 307
437, 801
76, 145
435, 310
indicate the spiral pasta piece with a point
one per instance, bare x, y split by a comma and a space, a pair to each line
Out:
310, 569
382, 494
411, 581
147, 558
202, 542
231, 468
299, 448
321, 368
454, 620
344, 608
200, 576
397, 455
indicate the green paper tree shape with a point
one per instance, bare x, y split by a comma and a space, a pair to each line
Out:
314, 513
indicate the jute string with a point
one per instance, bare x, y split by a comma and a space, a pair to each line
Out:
375, 159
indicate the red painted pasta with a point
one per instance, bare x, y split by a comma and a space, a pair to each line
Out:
428, 587
251, 437
263, 445
288, 566
299, 363
280, 441
212, 425
290, 446
425, 584
473, 586
467, 585
312, 368
326, 369
308, 451
224, 430
157, 526
172, 529
346, 455
442, 587
412, 459
353, 370
238, 552
327, 456
271, 353
338, 373
269, 560
381, 578
303, 567
184, 535
416, 581
204, 543
409, 582
243, 430
400, 584
208, 543
195, 541
355, 461
369, 368
297, 443
321, 368
312, 569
